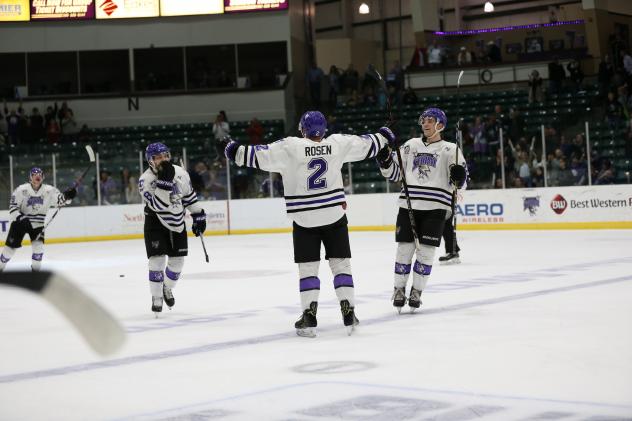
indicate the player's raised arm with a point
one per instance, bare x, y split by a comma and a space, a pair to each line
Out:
387, 161
264, 157
359, 148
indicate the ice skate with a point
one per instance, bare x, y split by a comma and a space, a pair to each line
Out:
399, 298
414, 301
449, 259
348, 316
305, 326
168, 296
156, 305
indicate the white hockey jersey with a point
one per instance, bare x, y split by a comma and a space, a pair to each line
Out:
427, 170
312, 180
34, 204
169, 206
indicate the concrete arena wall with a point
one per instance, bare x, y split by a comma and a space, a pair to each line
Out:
597, 207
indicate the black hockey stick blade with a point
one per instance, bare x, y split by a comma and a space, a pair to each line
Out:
99, 328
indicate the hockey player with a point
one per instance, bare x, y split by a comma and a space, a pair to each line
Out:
431, 173
27, 211
166, 191
314, 198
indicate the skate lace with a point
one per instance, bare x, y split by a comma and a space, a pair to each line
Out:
415, 294
398, 294
168, 293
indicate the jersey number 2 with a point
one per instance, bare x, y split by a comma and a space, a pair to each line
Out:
314, 181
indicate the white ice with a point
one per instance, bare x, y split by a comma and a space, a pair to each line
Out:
532, 325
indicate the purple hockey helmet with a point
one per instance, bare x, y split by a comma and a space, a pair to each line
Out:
312, 124
435, 113
35, 171
154, 149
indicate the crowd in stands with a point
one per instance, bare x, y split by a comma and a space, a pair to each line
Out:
57, 124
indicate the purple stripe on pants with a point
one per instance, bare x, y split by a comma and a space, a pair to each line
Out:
343, 280
156, 276
4, 259
422, 269
309, 283
402, 268
174, 276
37, 256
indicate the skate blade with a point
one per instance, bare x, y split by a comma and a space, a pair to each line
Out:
309, 332
350, 329
156, 314
399, 310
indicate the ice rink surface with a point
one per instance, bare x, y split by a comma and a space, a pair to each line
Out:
531, 326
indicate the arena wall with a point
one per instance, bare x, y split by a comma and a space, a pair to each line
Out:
597, 207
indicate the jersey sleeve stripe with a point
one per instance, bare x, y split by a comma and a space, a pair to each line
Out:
429, 194
427, 199
328, 205
313, 195
311, 202
252, 157
414, 187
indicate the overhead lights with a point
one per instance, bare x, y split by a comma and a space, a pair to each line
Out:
489, 7
364, 9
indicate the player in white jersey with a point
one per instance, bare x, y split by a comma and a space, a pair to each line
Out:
314, 198
166, 191
431, 170
27, 211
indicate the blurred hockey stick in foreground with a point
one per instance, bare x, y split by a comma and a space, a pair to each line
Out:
74, 185
458, 140
98, 327
371, 71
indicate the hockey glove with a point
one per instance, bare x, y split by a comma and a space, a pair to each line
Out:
457, 175
24, 222
384, 157
199, 223
166, 172
230, 150
70, 193
389, 135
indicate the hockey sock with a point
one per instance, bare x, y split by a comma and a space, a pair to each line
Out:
173, 271
309, 283
156, 275
343, 281
6, 255
37, 256
423, 266
405, 252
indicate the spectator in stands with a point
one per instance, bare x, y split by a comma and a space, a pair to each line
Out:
410, 97
277, 186
221, 129
255, 132
315, 76
566, 147
606, 73
62, 112
535, 87
565, 176
109, 190
395, 77
435, 55
13, 126
334, 86
130, 187
69, 126
196, 174
464, 57
36, 126
606, 175
492, 133
51, 114
627, 64
556, 76
537, 180
579, 146
613, 110
477, 133
418, 59
53, 131
493, 52
576, 75
350, 79
579, 171
555, 160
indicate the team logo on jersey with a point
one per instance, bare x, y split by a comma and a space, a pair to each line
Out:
35, 200
155, 244
406, 150
423, 164
531, 204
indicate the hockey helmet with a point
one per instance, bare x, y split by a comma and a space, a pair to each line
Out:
313, 124
155, 149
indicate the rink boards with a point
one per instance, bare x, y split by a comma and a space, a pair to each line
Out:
596, 207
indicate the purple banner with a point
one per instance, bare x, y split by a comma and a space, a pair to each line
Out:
62, 9
237, 6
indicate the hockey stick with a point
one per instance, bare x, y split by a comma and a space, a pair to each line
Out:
202, 234
98, 327
377, 76
458, 140
75, 184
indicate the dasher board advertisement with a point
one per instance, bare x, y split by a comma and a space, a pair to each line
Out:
14, 10
120, 9
191, 7
62, 9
